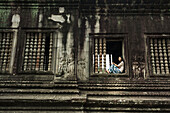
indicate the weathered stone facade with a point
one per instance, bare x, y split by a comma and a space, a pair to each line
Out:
71, 27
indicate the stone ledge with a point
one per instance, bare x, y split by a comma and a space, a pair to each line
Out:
26, 77
126, 88
38, 91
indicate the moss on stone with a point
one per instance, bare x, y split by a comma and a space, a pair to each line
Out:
4, 17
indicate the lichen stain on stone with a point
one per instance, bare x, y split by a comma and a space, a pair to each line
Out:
82, 34
34, 15
88, 23
4, 17
26, 18
66, 66
65, 30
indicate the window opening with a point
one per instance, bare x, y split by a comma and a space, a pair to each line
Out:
6, 41
160, 55
114, 48
38, 51
106, 51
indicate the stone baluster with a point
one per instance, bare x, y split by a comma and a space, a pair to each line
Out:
8, 50
50, 52
34, 51
38, 51
104, 53
156, 56
1, 50
26, 51
152, 56
161, 57
168, 56
29, 53
96, 55
168, 46
42, 57
165, 56
100, 54
31, 50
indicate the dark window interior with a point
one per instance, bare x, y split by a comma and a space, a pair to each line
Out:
114, 48
46, 55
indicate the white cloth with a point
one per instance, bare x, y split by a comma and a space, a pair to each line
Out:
121, 66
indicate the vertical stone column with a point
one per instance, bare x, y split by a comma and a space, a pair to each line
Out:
100, 54
168, 54
156, 56
38, 52
152, 56
161, 56
50, 52
104, 53
165, 50
96, 55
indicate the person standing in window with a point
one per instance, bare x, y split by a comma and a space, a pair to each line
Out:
114, 68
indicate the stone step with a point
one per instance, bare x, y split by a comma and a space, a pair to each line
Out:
126, 88
127, 104
38, 82
38, 85
91, 105
127, 82
104, 109
38, 97
29, 77
35, 86
41, 103
20, 82
119, 79
124, 85
38, 91
106, 94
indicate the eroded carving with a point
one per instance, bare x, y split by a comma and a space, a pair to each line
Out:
66, 66
82, 68
138, 67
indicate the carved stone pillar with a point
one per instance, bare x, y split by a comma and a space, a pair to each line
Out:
104, 53
152, 56
38, 51
167, 55
100, 54
50, 52
96, 56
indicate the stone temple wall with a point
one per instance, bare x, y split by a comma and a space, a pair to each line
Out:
75, 22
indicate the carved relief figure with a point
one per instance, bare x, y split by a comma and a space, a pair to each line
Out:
138, 67
66, 66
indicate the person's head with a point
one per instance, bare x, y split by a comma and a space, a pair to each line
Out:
120, 58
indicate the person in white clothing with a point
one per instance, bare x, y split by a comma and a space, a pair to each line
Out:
116, 68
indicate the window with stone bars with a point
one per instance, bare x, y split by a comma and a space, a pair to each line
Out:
6, 41
99, 55
105, 51
160, 55
38, 52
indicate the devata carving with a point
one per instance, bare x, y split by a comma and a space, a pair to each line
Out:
66, 66
138, 67
81, 68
